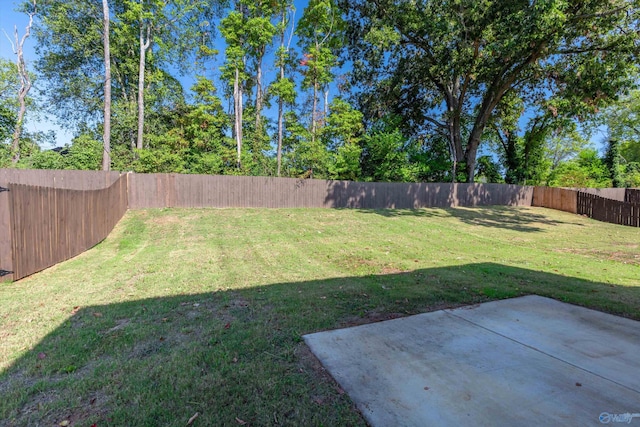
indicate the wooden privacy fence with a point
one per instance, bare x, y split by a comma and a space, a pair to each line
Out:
632, 195
561, 199
608, 210
42, 226
615, 205
173, 190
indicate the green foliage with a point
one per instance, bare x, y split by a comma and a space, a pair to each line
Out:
344, 124
622, 120
343, 133
445, 66
47, 159
285, 89
301, 153
9, 84
346, 163
233, 28
586, 170
7, 123
85, 153
384, 154
319, 31
161, 160
69, 49
612, 162
632, 175
487, 170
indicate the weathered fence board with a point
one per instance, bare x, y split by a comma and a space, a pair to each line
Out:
169, 190
608, 210
6, 247
50, 225
632, 195
555, 198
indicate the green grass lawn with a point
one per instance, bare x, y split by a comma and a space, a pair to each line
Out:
202, 311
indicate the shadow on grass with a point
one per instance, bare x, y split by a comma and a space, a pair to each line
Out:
494, 217
237, 356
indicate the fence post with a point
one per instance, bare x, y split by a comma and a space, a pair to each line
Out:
6, 246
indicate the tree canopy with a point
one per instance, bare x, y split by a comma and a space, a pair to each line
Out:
446, 66
387, 90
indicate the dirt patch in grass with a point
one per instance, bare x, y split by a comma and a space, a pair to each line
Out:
393, 270
617, 256
372, 316
165, 220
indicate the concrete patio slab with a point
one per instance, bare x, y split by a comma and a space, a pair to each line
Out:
519, 362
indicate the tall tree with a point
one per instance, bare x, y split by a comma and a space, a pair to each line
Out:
260, 34
69, 50
447, 65
233, 29
25, 80
612, 162
320, 32
106, 136
283, 87
169, 28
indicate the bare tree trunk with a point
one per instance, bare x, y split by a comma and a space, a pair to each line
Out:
259, 97
144, 45
454, 157
326, 105
25, 85
314, 124
106, 136
280, 99
237, 108
280, 119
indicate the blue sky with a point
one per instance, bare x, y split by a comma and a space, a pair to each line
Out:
8, 20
